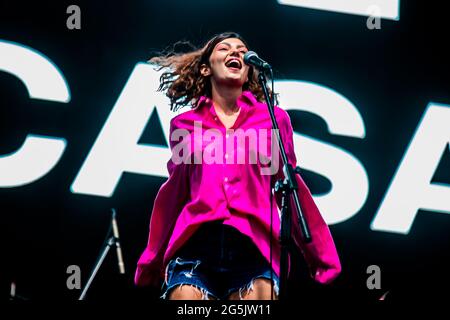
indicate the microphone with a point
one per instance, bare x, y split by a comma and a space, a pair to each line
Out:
252, 59
116, 240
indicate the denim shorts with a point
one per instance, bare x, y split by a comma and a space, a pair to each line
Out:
218, 260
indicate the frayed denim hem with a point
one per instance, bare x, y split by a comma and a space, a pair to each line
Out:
205, 293
188, 274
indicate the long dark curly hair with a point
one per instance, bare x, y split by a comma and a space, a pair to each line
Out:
182, 80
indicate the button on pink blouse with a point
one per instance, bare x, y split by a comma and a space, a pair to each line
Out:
230, 190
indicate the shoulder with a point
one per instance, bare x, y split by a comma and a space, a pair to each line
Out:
281, 114
184, 120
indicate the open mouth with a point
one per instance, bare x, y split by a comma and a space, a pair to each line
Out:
234, 64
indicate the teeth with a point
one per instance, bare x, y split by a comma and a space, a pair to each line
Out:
234, 63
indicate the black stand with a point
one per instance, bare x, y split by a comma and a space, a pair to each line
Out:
112, 241
288, 188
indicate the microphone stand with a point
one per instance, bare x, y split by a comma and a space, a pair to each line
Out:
287, 188
111, 241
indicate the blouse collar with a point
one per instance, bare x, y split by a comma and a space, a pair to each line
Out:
245, 101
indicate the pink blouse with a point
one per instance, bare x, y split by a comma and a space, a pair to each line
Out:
230, 190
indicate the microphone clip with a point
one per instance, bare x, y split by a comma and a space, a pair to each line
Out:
111, 241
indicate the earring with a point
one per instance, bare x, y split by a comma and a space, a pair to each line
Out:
204, 70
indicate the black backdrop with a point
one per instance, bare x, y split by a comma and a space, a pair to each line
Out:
390, 74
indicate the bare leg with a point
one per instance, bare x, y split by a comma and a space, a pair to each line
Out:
260, 290
188, 292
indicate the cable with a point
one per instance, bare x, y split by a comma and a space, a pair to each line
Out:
271, 240
271, 204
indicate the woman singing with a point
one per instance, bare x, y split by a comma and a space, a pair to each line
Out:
214, 228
